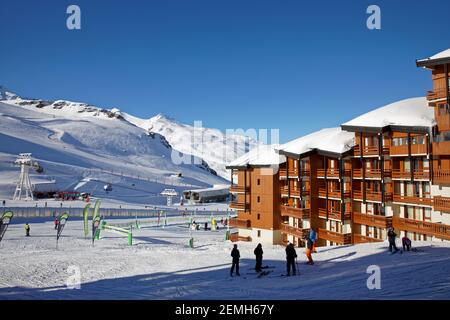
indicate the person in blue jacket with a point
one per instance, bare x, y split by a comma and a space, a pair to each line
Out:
313, 238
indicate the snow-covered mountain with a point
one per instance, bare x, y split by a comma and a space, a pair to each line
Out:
83, 147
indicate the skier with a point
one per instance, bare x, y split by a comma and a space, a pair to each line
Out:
391, 237
236, 255
309, 250
206, 226
27, 230
56, 223
291, 255
259, 255
406, 243
313, 237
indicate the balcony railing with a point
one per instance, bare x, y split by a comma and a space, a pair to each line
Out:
424, 200
438, 230
332, 173
239, 206
239, 189
372, 195
333, 214
240, 223
295, 231
436, 94
369, 151
294, 191
371, 173
441, 148
418, 174
403, 149
359, 238
443, 121
339, 238
300, 213
372, 220
333, 193
441, 176
292, 173
441, 203
236, 237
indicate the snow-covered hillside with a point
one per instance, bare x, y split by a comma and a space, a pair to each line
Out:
83, 147
160, 265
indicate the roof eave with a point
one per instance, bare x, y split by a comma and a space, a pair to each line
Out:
432, 62
412, 129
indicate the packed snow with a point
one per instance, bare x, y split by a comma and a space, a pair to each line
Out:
161, 265
333, 140
412, 112
259, 156
440, 55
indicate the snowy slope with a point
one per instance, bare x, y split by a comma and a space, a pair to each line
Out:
84, 147
160, 265
209, 144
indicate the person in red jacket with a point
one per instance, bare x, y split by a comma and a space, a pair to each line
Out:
56, 223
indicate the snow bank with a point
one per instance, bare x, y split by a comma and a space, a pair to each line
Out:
260, 156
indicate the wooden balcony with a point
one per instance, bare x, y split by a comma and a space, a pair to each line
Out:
369, 151
438, 230
332, 173
416, 149
372, 220
441, 176
336, 237
441, 148
239, 206
425, 201
294, 192
239, 189
359, 238
295, 231
418, 174
436, 94
441, 203
240, 223
300, 213
333, 193
293, 173
443, 121
370, 173
333, 214
372, 196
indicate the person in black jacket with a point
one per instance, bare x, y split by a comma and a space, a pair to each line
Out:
391, 237
290, 259
236, 255
259, 256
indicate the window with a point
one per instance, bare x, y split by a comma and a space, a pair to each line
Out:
259, 233
258, 182
258, 199
259, 216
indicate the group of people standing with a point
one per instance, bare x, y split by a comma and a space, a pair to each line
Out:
291, 255
406, 242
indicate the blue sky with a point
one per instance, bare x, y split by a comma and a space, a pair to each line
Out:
294, 65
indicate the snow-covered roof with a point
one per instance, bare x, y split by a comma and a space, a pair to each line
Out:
332, 140
438, 56
263, 155
413, 112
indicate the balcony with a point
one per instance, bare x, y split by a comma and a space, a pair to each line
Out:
443, 121
239, 206
240, 223
336, 237
236, 237
418, 174
293, 173
239, 189
294, 192
359, 238
416, 149
294, 231
372, 196
369, 151
436, 94
372, 220
332, 173
418, 200
438, 230
441, 176
299, 213
441, 148
333, 193
333, 214
441, 204
370, 173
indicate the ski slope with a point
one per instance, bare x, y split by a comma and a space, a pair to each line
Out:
160, 265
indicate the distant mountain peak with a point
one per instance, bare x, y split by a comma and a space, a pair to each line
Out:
6, 94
